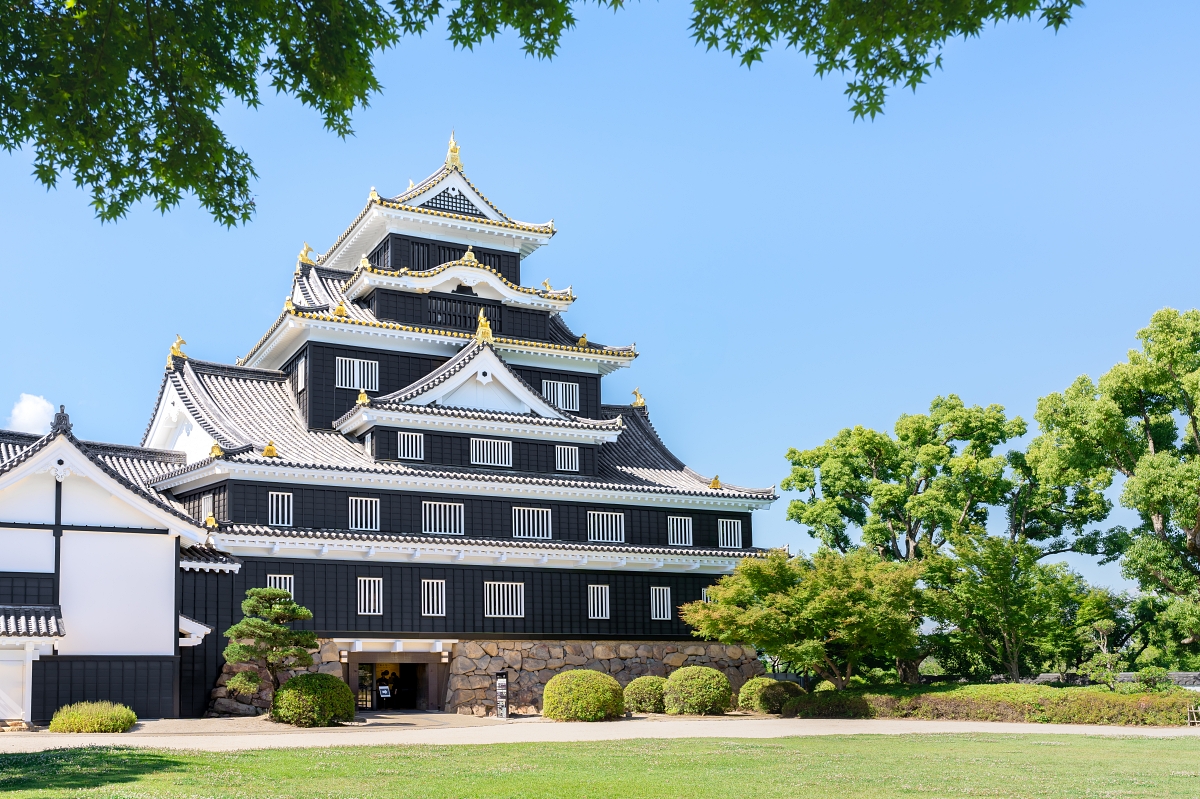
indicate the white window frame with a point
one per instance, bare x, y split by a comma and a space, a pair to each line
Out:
503, 600
442, 518
704, 597
562, 393
369, 444
302, 373
206, 507
433, 597
491, 452
566, 458
286, 582
606, 527
279, 508
598, 607
660, 603
679, 531
370, 596
532, 523
410, 446
357, 373
729, 533
364, 513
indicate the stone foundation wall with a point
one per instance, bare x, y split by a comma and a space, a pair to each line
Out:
530, 664
222, 703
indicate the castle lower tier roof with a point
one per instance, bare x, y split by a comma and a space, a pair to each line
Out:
31, 621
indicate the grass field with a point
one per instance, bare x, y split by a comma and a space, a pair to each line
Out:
846, 767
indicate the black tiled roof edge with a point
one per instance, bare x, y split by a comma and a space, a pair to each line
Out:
497, 416
38, 621
205, 554
450, 540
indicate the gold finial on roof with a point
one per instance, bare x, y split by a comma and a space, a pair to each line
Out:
374, 196
288, 305
176, 352
303, 257
469, 256
364, 263
483, 332
269, 450
716, 482
582, 341
410, 185
363, 399
210, 522
546, 285
638, 400
216, 451
340, 310
452, 158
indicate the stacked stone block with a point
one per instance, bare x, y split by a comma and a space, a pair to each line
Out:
326, 659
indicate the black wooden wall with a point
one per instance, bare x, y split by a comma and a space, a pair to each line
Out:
326, 402
589, 387
26, 588
144, 683
453, 449
400, 512
194, 502
405, 252
458, 311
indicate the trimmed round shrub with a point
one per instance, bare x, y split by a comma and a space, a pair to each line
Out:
313, 700
697, 691
645, 695
765, 695
582, 695
93, 717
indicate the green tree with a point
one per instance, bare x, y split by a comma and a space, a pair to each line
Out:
827, 613
264, 637
125, 95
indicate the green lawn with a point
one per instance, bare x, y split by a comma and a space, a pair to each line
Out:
847, 767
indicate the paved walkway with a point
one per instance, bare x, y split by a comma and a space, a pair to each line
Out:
221, 735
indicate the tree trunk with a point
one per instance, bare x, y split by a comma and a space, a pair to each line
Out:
909, 671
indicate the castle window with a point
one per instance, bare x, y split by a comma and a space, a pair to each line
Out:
491, 452
730, 533
301, 373
660, 603
531, 523
206, 507
606, 527
370, 596
284, 582
564, 395
364, 513
433, 597
597, 601
704, 597
504, 600
357, 373
410, 446
679, 531
566, 458
442, 518
279, 508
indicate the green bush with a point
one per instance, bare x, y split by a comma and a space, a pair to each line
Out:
1153, 678
1009, 702
697, 691
93, 717
583, 695
765, 695
313, 700
645, 695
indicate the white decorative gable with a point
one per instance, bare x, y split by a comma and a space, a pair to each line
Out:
487, 384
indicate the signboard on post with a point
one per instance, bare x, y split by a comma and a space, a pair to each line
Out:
385, 692
501, 696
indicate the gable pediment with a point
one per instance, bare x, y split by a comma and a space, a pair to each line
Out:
454, 201
485, 383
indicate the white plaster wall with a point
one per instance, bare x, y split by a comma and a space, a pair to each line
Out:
26, 551
30, 499
86, 503
12, 685
118, 594
489, 396
174, 428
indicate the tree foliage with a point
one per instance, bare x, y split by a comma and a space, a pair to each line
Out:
264, 637
124, 95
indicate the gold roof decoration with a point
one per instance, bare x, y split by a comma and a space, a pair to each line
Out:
469, 256
716, 482
546, 285
364, 263
582, 341
340, 310
374, 195
210, 522
452, 159
176, 352
363, 399
410, 185
288, 305
305, 255
269, 450
638, 400
483, 332
216, 451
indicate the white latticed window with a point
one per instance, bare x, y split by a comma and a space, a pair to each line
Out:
206, 507
370, 596
433, 597
301, 373
597, 601
410, 446
357, 373
704, 595
279, 508
564, 395
504, 600
566, 458
284, 582
679, 531
490, 452
364, 513
730, 533
442, 518
531, 523
606, 526
660, 603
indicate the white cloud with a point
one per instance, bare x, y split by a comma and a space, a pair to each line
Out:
31, 414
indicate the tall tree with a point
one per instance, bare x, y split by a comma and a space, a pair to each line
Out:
124, 94
264, 636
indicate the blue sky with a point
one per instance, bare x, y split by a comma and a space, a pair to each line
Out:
784, 270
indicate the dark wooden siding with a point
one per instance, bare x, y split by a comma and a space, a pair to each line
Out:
147, 684
405, 252
522, 323
292, 369
194, 502
400, 512
589, 387
451, 449
26, 588
326, 402
458, 311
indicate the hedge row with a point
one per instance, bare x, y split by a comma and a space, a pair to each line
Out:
1030, 703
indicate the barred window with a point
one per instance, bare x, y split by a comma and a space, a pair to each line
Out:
357, 373
370, 596
433, 597
606, 526
704, 595
410, 446
660, 603
679, 531
442, 518
531, 523
369, 444
301, 373
364, 513
206, 507
491, 452
730, 533
561, 393
279, 508
504, 600
284, 582
566, 458
597, 601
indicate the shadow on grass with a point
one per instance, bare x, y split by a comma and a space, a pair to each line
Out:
75, 769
